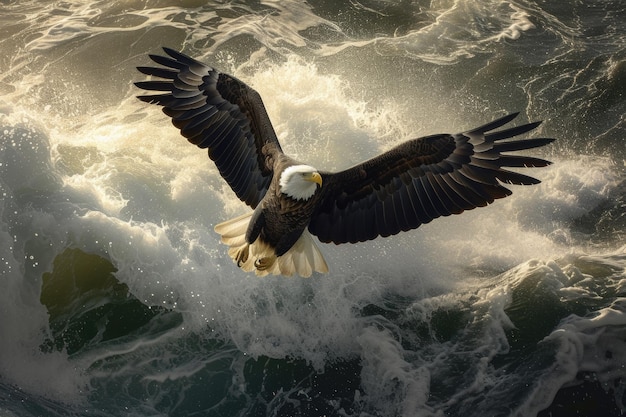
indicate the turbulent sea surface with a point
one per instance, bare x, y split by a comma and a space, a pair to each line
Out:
117, 299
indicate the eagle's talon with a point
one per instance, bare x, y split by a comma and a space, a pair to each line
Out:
263, 264
242, 255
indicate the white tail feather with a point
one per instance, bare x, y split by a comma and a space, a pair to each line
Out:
233, 231
302, 259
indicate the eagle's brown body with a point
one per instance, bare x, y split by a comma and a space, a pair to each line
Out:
279, 220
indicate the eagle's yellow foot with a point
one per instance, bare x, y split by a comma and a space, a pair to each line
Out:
263, 264
242, 255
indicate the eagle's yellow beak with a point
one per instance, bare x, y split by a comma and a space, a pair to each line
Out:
314, 177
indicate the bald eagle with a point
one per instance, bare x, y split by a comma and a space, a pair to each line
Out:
399, 190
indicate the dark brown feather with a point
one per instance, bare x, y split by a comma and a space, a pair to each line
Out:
423, 179
218, 112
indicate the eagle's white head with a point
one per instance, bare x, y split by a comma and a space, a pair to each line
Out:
300, 181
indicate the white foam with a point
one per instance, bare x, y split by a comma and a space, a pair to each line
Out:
319, 119
395, 386
28, 236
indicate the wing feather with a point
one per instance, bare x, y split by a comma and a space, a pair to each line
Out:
419, 212
464, 200
392, 218
423, 179
455, 203
216, 111
422, 196
444, 204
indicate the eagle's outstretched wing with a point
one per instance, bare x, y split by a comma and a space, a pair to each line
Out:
420, 180
218, 112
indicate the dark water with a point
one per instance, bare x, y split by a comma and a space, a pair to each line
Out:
118, 299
